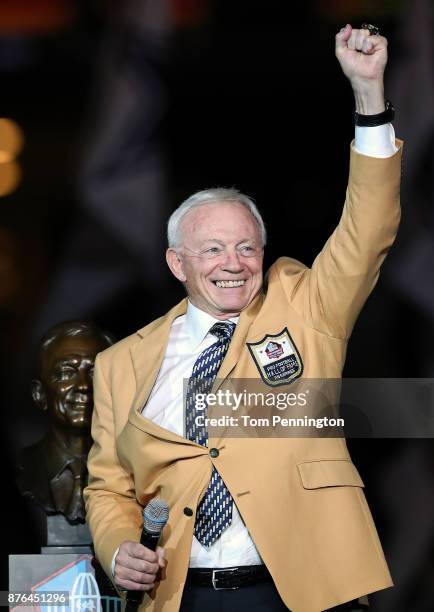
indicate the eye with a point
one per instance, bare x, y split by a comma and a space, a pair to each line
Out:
248, 250
214, 251
64, 373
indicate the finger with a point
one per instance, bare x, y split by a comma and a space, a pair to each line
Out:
378, 42
342, 37
375, 44
138, 551
367, 47
139, 565
129, 585
161, 557
360, 37
123, 573
351, 44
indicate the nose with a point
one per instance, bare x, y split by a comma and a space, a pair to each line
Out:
232, 262
84, 380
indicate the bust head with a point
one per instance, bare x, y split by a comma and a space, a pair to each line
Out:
63, 388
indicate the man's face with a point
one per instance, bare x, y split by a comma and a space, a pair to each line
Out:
66, 379
220, 260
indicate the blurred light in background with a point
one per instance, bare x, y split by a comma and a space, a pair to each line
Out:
10, 177
11, 140
34, 16
189, 12
11, 144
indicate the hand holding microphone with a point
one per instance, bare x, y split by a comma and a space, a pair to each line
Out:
137, 564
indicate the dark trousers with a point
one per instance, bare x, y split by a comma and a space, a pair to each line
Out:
261, 597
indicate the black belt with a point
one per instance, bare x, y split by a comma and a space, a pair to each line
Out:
228, 577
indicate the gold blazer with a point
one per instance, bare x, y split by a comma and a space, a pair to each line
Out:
301, 499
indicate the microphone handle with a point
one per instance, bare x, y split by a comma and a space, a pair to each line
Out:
149, 539
135, 598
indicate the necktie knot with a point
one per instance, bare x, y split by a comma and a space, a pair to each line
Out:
223, 330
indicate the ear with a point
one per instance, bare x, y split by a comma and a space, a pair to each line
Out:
175, 264
38, 394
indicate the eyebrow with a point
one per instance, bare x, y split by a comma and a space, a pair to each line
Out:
68, 359
251, 240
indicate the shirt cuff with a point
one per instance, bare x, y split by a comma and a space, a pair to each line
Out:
378, 141
114, 561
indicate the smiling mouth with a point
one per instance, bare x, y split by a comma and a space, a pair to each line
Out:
79, 407
229, 284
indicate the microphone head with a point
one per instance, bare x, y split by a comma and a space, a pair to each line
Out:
155, 515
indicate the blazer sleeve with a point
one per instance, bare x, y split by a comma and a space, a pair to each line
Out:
113, 513
330, 295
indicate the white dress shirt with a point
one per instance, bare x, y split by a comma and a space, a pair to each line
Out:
189, 336
376, 141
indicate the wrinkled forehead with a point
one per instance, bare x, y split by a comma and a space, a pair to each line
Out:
227, 221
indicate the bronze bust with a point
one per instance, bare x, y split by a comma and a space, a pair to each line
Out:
53, 472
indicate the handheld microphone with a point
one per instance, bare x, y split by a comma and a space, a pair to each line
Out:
155, 517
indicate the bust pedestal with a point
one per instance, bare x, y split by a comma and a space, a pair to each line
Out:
62, 537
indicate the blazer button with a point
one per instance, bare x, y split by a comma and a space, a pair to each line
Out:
214, 453
188, 512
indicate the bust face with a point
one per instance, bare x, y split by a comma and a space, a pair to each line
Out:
66, 379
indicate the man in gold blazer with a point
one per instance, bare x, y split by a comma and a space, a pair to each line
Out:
296, 532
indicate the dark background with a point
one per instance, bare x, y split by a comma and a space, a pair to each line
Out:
125, 111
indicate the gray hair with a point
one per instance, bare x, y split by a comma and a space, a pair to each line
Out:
210, 196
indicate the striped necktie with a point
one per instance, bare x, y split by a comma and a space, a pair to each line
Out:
214, 512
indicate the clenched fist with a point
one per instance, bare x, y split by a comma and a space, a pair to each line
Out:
136, 567
363, 59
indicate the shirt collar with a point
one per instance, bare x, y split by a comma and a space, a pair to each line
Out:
60, 457
198, 323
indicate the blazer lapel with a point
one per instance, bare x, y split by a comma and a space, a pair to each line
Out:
147, 355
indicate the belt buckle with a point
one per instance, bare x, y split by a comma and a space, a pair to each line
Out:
214, 579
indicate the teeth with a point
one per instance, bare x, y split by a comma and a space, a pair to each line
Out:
226, 284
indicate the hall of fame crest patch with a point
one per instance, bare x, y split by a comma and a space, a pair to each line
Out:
277, 358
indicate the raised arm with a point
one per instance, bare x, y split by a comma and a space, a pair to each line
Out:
363, 58
331, 294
